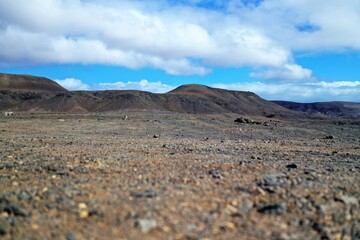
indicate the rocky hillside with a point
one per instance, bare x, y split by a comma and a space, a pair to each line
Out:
334, 109
27, 93
28, 83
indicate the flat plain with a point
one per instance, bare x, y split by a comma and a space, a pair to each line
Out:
178, 176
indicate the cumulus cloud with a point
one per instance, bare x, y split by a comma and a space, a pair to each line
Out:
187, 37
180, 39
305, 25
143, 85
73, 84
301, 92
285, 73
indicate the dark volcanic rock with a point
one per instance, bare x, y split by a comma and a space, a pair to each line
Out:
143, 194
276, 208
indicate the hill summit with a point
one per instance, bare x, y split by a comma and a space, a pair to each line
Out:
28, 83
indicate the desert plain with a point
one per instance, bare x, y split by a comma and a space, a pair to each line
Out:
178, 176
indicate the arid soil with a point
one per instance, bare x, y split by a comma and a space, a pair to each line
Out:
175, 176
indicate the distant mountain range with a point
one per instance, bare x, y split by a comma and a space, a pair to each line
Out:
38, 94
334, 109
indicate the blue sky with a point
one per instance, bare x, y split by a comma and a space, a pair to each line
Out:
282, 50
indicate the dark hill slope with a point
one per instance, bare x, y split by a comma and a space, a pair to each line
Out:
28, 93
28, 83
335, 109
200, 98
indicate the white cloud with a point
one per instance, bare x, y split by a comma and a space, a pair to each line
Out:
301, 92
73, 84
329, 24
285, 73
336, 84
143, 85
180, 40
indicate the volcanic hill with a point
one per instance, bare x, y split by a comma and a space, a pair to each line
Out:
28, 83
30, 93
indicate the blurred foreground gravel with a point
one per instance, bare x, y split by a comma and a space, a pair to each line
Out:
158, 176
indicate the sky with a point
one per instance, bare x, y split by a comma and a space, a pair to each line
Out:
295, 50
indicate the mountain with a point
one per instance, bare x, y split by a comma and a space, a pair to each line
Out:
28, 83
29, 93
195, 98
334, 109
38, 94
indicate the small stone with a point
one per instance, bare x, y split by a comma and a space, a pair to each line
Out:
273, 209
93, 212
355, 230
17, 210
131, 215
329, 137
348, 200
146, 225
228, 226
291, 166
70, 236
245, 205
82, 206
144, 194
216, 174
4, 227
83, 214
35, 226
24, 195
240, 120
275, 179
312, 172
240, 188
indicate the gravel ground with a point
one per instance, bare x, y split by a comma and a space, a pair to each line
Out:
159, 176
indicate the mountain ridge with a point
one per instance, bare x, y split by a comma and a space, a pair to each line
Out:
333, 108
28, 93
41, 94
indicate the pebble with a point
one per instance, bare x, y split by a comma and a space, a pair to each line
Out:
348, 200
4, 227
239, 188
17, 210
144, 194
146, 225
70, 236
216, 174
24, 195
291, 166
355, 230
275, 179
273, 209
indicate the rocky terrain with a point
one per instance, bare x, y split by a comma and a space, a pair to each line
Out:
178, 176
